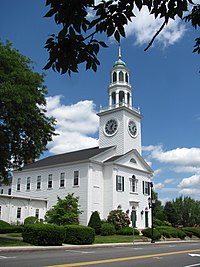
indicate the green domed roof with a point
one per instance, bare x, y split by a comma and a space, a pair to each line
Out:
119, 62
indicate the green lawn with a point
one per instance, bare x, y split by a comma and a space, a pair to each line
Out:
4, 242
98, 239
116, 239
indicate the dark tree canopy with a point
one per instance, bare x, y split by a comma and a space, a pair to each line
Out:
79, 41
25, 129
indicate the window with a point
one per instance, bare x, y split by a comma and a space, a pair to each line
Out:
19, 213
9, 191
76, 178
114, 77
18, 184
50, 181
1, 191
133, 184
126, 77
62, 179
119, 183
39, 182
146, 188
121, 76
28, 183
0, 211
37, 213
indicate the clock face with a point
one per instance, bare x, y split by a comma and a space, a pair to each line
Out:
111, 127
132, 128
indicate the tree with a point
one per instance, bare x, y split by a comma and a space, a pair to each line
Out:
77, 40
25, 129
66, 211
171, 213
95, 222
158, 212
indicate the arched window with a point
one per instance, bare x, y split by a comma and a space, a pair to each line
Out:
113, 98
121, 97
121, 76
126, 77
128, 99
133, 184
114, 77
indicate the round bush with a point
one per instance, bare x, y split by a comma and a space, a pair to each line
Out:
127, 231
30, 220
107, 229
4, 224
79, 235
147, 232
43, 234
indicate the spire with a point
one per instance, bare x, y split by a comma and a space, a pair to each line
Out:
119, 62
119, 52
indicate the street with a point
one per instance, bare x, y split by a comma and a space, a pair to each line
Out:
145, 255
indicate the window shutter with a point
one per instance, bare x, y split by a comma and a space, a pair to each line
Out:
143, 187
116, 182
148, 188
122, 183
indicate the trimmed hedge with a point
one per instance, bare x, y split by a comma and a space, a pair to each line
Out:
30, 220
190, 231
79, 235
169, 231
43, 234
147, 232
5, 228
127, 231
107, 229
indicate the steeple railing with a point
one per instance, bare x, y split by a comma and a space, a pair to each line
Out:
122, 104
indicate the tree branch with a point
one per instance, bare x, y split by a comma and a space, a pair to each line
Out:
154, 37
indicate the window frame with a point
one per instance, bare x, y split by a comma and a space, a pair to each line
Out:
18, 184
19, 212
62, 179
38, 182
119, 183
76, 178
133, 182
50, 181
28, 183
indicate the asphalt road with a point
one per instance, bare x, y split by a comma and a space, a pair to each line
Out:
146, 255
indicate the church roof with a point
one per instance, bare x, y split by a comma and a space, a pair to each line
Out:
69, 157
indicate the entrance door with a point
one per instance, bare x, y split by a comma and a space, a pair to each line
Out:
146, 219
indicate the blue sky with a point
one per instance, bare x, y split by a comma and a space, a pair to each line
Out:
165, 81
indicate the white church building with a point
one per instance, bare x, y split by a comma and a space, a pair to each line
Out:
111, 176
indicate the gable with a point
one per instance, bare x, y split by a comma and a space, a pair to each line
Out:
132, 159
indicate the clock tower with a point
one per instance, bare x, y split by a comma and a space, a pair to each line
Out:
120, 122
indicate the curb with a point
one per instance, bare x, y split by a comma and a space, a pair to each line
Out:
74, 247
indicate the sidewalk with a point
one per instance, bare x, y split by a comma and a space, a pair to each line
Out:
75, 247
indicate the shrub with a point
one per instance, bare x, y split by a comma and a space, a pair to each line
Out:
107, 229
30, 220
127, 231
43, 234
79, 235
190, 231
147, 232
4, 224
95, 222
119, 219
5, 227
169, 231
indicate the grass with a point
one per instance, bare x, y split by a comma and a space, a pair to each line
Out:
5, 242
116, 239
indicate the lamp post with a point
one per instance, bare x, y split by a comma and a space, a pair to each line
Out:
151, 201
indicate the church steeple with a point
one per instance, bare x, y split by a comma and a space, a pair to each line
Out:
120, 91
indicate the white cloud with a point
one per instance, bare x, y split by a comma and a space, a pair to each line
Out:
158, 186
193, 181
144, 26
75, 125
168, 181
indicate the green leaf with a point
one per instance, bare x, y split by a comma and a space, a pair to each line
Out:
117, 36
